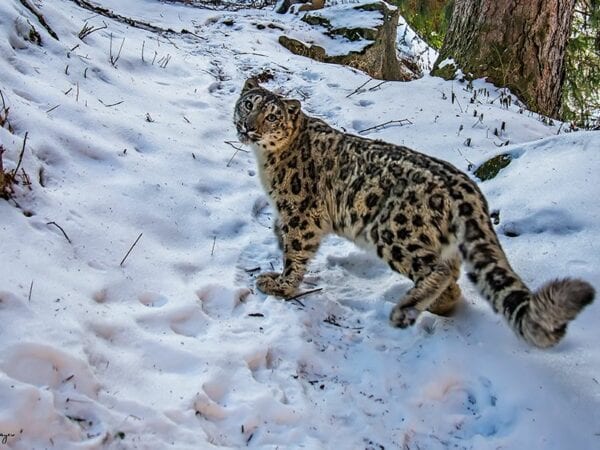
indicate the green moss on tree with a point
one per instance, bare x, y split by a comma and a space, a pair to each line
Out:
581, 92
448, 72
429, 18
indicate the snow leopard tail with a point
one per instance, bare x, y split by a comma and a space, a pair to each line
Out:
540, 317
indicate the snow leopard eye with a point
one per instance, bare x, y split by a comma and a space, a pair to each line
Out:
271, 118
249, 105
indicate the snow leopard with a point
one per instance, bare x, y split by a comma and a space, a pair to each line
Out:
419, 214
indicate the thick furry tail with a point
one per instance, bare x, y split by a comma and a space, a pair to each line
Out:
541, 318
551, 308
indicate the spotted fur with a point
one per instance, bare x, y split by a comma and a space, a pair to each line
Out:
420, 214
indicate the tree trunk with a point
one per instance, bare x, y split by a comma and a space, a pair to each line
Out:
515, 43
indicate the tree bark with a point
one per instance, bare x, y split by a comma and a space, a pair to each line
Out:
515, 43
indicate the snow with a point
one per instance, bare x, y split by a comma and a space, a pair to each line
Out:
174, 348
338, 17
446, 62
410, 45
344, 16
333, 46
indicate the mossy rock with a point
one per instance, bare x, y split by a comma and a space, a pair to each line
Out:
355, 34
314, 19
352, 34
448, 72
376, 6
492, 167
300, 48
378, 57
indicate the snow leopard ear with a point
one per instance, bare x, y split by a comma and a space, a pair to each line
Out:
292, 106
251, 83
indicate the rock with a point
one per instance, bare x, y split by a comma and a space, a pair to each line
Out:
299, 48
306, 5
362, 36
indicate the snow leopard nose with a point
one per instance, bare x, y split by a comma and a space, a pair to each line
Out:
249, 126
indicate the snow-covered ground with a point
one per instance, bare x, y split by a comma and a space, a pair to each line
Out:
174, 348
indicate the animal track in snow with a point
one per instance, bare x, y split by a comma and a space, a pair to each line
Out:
359, 264
219, 302
261, 363
553, 221
310, 76
254, 259
188, 322
152, 299
208, 408
186, 269
26, 96
359, 125
42, 365
108, 331
10, 301
469, 407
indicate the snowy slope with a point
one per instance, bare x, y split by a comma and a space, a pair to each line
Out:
173, 348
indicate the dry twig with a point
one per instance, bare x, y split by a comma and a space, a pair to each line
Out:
212, 251
237, 149
357, 90
381, 126
61, 229
89, 29
112, 104
302, 294
112, 58
130, 249
22, 152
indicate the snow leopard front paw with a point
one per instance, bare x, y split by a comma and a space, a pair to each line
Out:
272, 283
403, 317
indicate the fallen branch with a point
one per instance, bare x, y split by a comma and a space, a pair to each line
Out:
356, 91
40, 18
381, 126
129, 21
302, 294
377, 86
212, 5
119, 18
